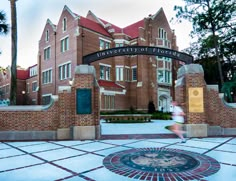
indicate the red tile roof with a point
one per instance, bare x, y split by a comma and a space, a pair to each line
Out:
87, 23
105, 83
22, 74
133, 30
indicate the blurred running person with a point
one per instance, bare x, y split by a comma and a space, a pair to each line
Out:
178, 117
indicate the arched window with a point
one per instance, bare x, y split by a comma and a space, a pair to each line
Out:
64, 24
47, 36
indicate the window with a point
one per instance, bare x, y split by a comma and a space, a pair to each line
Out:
162, 33
33, 71
65, 71
127, 74
164, 76
34, 86
103, 44
119, 44
161, 76
64, 24
65, 44
47, 53
46, 99
119, 73
134, 73
105, 72
47, 76
27, 87
47, 36
109, 102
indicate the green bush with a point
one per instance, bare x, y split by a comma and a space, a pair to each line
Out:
161, 116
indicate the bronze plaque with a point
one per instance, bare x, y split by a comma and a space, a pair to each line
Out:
83, 101
196, 99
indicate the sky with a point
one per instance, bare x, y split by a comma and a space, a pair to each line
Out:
33, 14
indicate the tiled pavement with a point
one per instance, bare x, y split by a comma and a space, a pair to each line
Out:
83, 160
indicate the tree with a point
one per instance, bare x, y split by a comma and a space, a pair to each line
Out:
3, 24
212, 19
13, 52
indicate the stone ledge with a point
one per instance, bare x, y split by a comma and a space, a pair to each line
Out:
27, 135
196, 130
83, 132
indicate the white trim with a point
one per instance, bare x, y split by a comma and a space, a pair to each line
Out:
64, 63
52, 25
134, 66
119, 66
106, 40
68, 9
44, 95
106, 92
106, 65
47, 69
64, 37
121, 41
49, 46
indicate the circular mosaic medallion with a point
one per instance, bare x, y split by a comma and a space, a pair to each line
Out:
161, 164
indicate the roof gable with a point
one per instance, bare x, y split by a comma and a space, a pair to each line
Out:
160, 14
87, 23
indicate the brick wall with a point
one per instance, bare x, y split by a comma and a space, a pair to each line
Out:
58, 114
216, 111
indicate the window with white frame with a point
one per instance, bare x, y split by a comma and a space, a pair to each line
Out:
104, 44
64, 24
34, 86
134, 73
47, 36
47, 76
109, 102
164, 74
162, 33
105, 72
33, 71
65, 71
64, 44
119, 73
47, 53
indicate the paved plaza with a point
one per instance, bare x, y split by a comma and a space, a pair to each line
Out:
163, 159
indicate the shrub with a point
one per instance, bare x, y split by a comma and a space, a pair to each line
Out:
151, 107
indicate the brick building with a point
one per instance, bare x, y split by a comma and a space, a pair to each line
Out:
26, 85
128, 81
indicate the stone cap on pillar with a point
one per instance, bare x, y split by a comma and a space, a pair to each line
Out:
190, 69
85, 69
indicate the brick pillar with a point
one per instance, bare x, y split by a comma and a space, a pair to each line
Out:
85, 91
190, 91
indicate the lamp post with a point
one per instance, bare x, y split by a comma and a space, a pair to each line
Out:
23, 94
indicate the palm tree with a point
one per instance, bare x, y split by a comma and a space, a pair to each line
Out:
3, 25
13, 51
